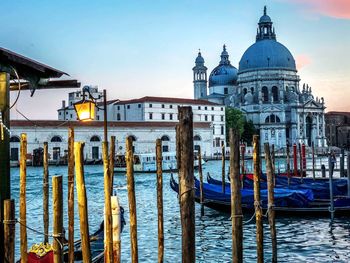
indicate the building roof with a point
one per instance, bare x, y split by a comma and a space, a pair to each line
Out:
24, 65
99, 124
338, 113
168, 100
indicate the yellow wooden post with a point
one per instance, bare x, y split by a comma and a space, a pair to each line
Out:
22, 197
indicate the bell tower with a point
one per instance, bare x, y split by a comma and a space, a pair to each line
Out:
265, 30
199, 77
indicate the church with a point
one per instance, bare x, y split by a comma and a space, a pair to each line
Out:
267, 89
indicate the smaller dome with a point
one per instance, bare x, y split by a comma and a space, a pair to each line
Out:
225, 73
265, 19
199, 59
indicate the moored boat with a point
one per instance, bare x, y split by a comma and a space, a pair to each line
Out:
146, 163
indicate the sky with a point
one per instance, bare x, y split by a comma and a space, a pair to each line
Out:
148, 47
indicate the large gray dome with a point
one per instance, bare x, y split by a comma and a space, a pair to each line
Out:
267, 54
224, 74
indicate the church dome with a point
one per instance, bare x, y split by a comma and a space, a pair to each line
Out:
199, 59
224, 73
267, 54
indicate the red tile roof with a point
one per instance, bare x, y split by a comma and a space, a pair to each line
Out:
122, 124
338, 113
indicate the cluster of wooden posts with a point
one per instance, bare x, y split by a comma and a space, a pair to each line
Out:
187, 198
75, 167
112, 244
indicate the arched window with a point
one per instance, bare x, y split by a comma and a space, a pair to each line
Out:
56, 138
252, 90
165, 138
14, 139
197, 138
275, 93
244, 91
95, 138
265, 94
278, 119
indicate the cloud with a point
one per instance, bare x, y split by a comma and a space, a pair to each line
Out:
302, 60
332, 8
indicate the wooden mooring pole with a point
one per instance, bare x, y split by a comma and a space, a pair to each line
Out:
258, 210
236, 198
348, 171
112, 161
46, 193
178, 155
270, 207
108, 236
9, 230
22, 197
223, 168
313, 161
187, 185
159, 159
243, 164
116, 222
342, 154
132, 199
288, 162
82, 200
70, 195
57, 196
301, 163
200, 171
331, 198
295, 160
273, 162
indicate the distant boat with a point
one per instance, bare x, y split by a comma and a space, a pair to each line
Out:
146, 163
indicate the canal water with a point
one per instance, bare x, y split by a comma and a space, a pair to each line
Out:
299, 239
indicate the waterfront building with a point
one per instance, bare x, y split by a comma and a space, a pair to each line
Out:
338, 128
158, 109
266, 88
144, 134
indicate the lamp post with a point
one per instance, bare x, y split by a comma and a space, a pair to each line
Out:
85, 109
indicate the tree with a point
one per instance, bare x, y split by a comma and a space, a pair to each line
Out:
236, 120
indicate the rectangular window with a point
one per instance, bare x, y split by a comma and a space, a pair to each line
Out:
170, 116
128, 107
222, 109
95, 152
217, 142
205, 107
212, 108
212, 117
150, 105
118, 107
165, 148
222, 117
98, 117
163, 116
71, 116
199, 107
170, 106
56, 153
222, 130
60, 113
206, 117
150, 116
163, 106
14, 154
225, 90
139, 105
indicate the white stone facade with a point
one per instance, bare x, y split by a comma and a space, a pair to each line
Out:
144, 133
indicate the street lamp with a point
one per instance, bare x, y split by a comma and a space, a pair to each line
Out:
85, 108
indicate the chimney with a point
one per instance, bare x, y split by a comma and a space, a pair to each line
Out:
63, 104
